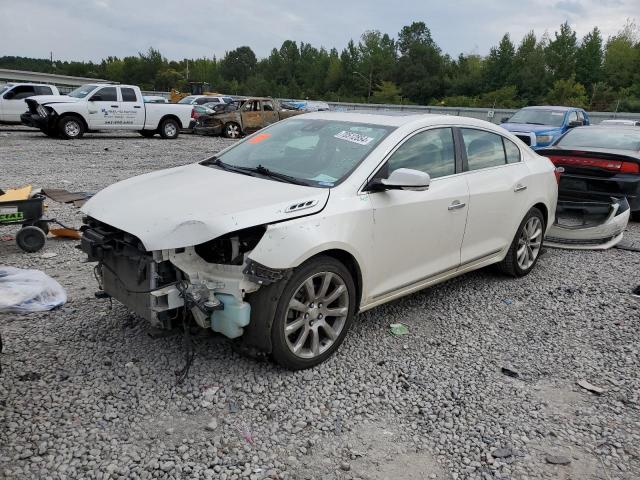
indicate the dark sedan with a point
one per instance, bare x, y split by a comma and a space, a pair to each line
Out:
599, 163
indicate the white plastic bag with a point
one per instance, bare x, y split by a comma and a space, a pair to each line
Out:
24, 290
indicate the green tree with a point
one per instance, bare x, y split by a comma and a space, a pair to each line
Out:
568, 92
529, 70
498, 67
561, 53
238, 64
622, 59
386, 92
589, 58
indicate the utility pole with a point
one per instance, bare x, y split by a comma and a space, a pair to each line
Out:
370, 79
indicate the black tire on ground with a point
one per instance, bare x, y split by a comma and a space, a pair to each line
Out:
169, 129
70, 128
148, 133
49, 132
30, 239
320, 265
42, 225
232, 130
510, 264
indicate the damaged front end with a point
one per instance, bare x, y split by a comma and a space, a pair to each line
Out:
588, 224
39, 116
208, 282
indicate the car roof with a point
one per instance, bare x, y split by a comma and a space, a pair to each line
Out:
397, 119
551, 107
620, 126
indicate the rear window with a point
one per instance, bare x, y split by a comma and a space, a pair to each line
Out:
484, 149
188, 99
128, 95
623, 139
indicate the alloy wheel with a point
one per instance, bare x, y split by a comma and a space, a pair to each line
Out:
72, 128
316, 314
233, 131
170, 129
529, 243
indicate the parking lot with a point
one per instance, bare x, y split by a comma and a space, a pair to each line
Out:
483, 386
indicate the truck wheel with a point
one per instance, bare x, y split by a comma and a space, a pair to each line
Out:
147, 133
30, 239
169, 129
232, 130
70, 128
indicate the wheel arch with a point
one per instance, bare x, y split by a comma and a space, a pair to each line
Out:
545, 212
63, 115
169, 116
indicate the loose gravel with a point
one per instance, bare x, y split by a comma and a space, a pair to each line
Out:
484, 386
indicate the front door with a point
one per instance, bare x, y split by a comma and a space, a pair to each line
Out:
418, 234
252, 116
498, 181
103, 108
269, 112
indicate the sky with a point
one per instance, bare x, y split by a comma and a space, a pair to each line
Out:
94, 29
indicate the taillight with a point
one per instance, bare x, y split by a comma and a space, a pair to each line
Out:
558, 171
611, 165
194, 114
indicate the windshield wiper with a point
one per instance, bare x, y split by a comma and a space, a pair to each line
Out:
269, 173
534, 123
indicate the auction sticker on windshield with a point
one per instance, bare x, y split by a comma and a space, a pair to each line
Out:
354, 137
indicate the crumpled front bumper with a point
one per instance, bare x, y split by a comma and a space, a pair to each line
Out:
34, 120
588, 225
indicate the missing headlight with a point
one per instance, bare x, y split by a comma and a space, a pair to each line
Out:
229, 249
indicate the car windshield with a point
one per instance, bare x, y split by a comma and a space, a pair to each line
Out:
82, 91
623, 139
319, 153
4, 88
539, 117
188, 99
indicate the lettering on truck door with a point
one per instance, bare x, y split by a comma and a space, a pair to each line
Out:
103, 109
252, 116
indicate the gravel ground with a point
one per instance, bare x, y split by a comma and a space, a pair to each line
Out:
86, 393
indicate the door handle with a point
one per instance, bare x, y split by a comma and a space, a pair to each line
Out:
519, 188
137, 106
114, 106
456, 205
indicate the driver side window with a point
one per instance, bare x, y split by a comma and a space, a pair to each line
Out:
431, 151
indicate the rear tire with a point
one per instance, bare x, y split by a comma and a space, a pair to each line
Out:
70, 128
526, 246
303, 339
232, 130
169, 129
147, 133
30, 239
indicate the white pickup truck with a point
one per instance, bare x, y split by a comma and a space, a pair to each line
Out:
98, 106
12, 96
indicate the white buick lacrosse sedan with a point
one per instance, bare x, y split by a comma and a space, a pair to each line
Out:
282, 238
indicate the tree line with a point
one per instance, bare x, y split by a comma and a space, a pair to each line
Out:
591, 72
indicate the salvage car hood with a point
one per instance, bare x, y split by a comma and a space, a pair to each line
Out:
47, 99
189, 205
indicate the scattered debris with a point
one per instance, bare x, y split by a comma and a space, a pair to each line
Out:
592, 388
49, 255
212, 425
507, 301
557, 459
502, 452
29, 377
629, 245
233, 407
509, 372
636, 291
65, 196
398, 329
345, 466
65, 233
23, 291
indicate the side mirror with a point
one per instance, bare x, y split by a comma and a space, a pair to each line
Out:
96, 98
575, 123
402, 179
504, 119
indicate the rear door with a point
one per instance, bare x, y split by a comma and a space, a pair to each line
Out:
132, 108
103, 106
252, 116
498, 181
269, 112
13, 104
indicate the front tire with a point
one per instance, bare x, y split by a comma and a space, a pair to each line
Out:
525, 249
169, 129
70, 128
232, 130
314, 313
